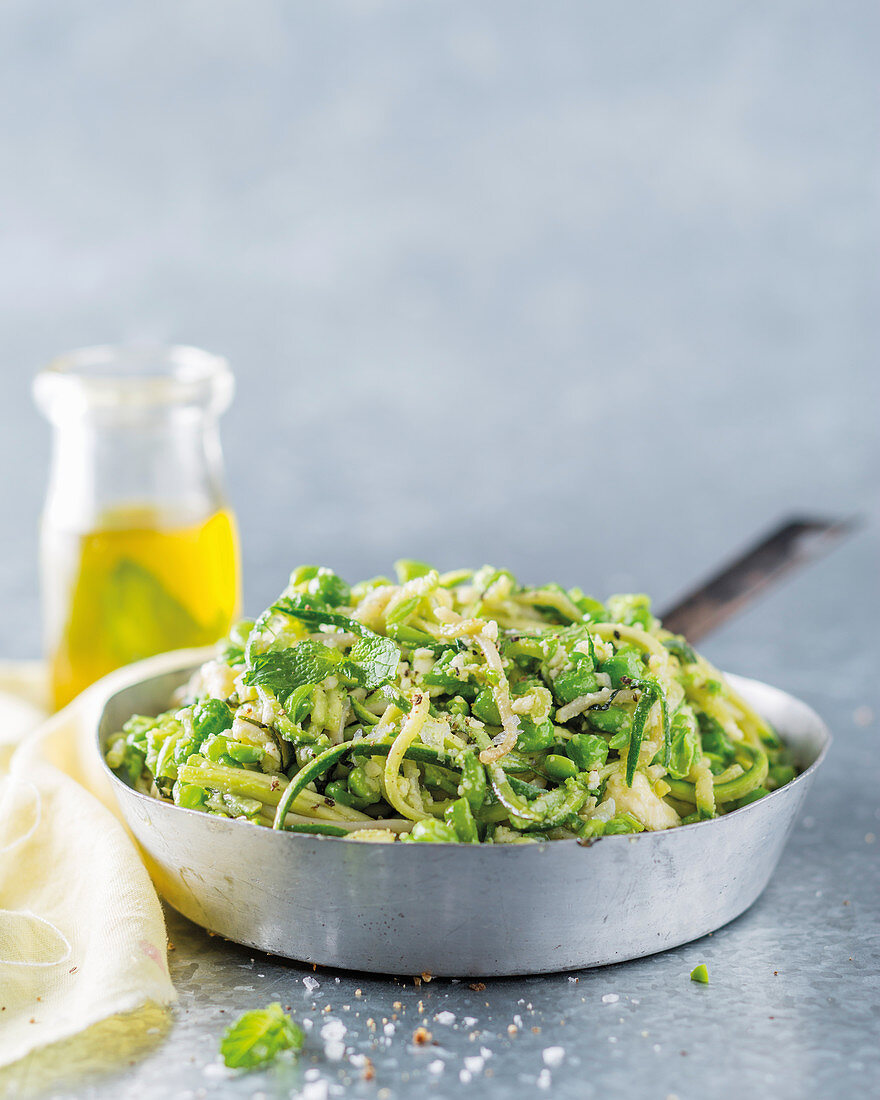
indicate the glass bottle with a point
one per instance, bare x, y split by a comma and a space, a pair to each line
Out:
139, 548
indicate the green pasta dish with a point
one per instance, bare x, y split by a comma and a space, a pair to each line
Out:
456, 707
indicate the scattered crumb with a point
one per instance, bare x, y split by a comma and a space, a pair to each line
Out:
421, 1035
477, 987
512, 1029
369, 1071
427, 975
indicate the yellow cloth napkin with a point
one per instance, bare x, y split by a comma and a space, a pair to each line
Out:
82, 935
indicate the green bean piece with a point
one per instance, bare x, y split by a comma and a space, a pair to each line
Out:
472, 785
459, 816
485, 708
700, 974
318, 828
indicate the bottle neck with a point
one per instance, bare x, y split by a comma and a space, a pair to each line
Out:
165, 461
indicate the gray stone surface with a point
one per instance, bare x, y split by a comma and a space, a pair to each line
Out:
589, 292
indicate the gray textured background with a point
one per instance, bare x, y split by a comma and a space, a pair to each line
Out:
586, 290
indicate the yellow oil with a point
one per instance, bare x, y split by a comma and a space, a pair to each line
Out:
136, 585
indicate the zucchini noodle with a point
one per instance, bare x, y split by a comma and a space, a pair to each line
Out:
460, 707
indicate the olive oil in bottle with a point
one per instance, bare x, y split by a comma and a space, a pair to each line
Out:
136, 585
139, 548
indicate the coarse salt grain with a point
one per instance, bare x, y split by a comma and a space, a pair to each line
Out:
445, 1017
333, 1030
553, 1056
469, 1021
543, 1081
435, 1067
311, 983
464, 1076
610, 998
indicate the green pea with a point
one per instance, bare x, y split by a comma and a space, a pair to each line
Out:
459, 816
338, 791
245, 754
581, 680
626, 662
752, 796
432, 831
587, 751
189, 796
534, 738
363, 786
485, 708
623, 823
780, 774
559, 767
612, 720
214, 747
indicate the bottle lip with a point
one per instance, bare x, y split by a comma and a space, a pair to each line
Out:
134, 377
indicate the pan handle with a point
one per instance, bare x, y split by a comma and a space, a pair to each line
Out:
793, 543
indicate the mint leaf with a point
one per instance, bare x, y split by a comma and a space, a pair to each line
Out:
372, 660
284, 671
259, 1036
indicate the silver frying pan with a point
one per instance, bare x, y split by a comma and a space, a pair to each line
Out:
464, 910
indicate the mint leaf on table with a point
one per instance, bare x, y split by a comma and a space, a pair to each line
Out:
259, 1036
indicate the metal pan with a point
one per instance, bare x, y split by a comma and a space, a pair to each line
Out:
461, 910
